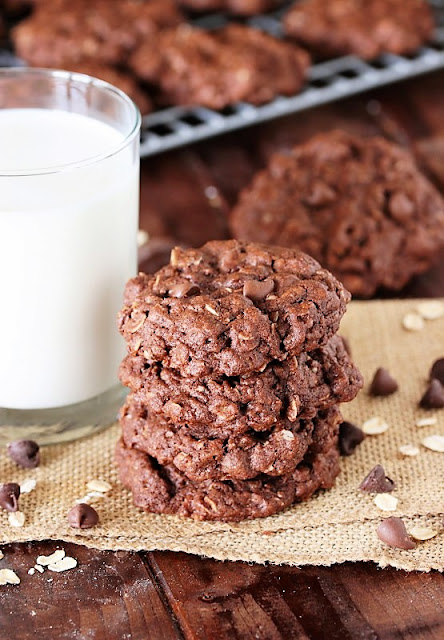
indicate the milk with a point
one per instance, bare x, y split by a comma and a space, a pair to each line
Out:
67, 247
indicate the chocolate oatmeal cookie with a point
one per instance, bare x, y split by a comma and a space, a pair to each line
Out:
62, 31
274, 452
238, 7
366, 28
217, 407
214, 69
163, 489
230, 308
359, 206
123, 81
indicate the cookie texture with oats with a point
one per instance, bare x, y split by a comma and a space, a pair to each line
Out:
222, 406
275, 452
360, 206
164, 489
230, 308
366, 28
216, 68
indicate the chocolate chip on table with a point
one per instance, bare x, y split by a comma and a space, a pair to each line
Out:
434, 396
9, 495
392, 531
383, 384
437, 370
350, 436
83, 516
183, 290
25, 453
258, 289
377, 482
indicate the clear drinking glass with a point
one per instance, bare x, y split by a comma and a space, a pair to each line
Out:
69, 200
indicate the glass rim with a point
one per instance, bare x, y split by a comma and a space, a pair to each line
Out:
86, 80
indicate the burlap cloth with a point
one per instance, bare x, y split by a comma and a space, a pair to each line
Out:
335, 526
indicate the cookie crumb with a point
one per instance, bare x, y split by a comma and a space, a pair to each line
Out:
374, 426
413, 322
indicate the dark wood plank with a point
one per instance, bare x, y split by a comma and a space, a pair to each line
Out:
109, 596
221, 600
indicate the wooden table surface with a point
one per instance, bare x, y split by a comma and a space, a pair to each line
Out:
160, 595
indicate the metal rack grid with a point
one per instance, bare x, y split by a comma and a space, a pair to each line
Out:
328, 81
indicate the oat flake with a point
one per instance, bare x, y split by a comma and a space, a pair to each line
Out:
426, 422
44, 561
374, 426
99, 485
7, 576
413, 322
64, 564
28, 485
434, 443
386, 502
423, 533
16, 518
409, 450
430, 309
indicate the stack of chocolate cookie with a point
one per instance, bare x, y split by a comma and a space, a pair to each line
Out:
236, 375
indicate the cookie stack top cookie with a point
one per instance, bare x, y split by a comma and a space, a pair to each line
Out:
230, 308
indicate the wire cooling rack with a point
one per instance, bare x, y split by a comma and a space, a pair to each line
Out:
326, 82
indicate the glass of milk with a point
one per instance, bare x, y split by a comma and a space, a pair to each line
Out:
69, 198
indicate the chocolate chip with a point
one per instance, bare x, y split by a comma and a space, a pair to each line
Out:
350, 436
83, 516
258, 289
183, 290
434, 396
437, 370
377, 482
383, 384
392, 531
25, 453
9, 495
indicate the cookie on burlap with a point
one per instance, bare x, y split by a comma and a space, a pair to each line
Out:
60, 31
216, 68
230, 308
163, 489
359, 206
238, 7
366, 28
220, 406
274, 452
